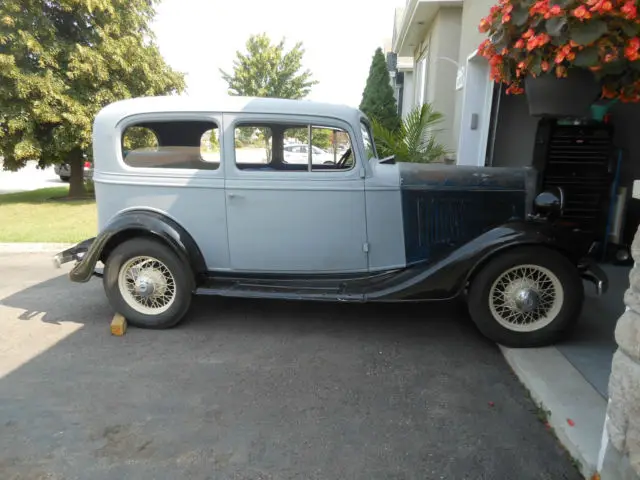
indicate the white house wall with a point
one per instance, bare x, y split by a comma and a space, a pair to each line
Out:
442, 70
441, 41
469, 40
407, 96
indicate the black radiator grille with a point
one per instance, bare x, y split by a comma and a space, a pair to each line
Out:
578, 160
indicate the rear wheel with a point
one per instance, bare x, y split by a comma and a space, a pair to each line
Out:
526, 297
64, 178
147, 283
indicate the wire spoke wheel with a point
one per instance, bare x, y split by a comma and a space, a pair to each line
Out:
147, 285
526, 298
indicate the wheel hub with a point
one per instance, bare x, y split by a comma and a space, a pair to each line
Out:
148, 283
526, 300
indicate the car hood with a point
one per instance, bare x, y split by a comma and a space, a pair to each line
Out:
461, 177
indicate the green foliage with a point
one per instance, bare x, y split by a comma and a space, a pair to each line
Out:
63, 60
266, 70
378, 101
136, 138
415, 140
213, 138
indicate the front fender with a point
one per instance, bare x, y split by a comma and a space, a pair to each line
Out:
135, 223
445, 277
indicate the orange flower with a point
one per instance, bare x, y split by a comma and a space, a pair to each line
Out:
561, 71
607, 93
540, 7
565, 53
495, 60
545, 66
528, 34
506, 18
554, 11
485, 25
581, 13
631, 49
630, 10
519, 43
514, 90
610, 57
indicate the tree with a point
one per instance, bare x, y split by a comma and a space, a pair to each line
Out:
266, 70
378, 101
63, 60
415, 140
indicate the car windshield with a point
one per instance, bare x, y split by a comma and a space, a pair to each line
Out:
369, 146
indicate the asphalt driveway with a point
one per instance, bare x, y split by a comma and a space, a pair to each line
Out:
255, 390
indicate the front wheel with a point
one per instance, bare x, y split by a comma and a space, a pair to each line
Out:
146, 282
528, 297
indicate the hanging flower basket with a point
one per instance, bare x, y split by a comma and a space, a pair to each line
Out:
570, 96
564, 54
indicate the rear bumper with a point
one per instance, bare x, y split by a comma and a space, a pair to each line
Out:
78, 254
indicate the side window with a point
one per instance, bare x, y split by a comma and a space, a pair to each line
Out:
188, 144
253, 145
292, 147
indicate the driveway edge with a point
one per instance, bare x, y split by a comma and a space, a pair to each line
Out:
33, 247
575, 410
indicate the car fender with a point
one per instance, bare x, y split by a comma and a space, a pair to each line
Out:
446, 277
140, 223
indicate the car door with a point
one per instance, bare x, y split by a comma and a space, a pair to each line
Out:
292, 218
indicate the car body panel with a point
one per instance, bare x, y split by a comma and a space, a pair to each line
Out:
294, 221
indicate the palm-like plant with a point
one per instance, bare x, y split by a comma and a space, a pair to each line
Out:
415, 140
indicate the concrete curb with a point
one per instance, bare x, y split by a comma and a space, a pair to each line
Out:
576, 411
33, 247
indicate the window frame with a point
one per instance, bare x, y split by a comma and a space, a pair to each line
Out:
294, 121
216, 118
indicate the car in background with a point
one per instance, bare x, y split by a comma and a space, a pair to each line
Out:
298, 153
64, 171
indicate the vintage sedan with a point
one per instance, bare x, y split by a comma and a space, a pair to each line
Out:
175, 220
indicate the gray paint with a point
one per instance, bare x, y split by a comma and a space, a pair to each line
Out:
279, 222
384, 217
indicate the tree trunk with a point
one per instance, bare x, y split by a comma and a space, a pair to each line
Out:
76, 182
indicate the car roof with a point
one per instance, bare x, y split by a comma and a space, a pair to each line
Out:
113, 113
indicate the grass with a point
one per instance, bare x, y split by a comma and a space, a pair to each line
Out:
37, 216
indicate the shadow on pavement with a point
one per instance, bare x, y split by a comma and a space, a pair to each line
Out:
265, 390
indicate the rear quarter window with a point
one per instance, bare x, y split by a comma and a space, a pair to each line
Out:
193, 145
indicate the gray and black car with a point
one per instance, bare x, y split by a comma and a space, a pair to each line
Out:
196, 197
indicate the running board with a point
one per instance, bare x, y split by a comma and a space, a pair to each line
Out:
243, 290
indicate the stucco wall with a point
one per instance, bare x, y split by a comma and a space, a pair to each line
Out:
470, 38
441, 73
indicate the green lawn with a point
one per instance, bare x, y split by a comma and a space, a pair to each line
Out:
37, 217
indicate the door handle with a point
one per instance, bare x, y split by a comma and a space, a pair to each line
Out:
232, 195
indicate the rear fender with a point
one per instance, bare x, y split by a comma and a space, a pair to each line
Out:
135, 224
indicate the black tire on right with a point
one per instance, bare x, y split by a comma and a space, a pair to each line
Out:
64, 179
573, 296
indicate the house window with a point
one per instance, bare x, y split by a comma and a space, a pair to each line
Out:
292, 148
172, 144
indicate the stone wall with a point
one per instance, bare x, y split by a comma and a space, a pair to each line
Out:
622, 454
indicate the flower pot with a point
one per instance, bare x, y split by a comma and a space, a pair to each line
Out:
549, 96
